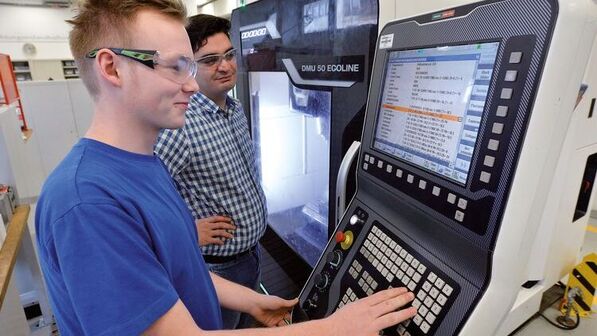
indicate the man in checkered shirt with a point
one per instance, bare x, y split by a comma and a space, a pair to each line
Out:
213, 163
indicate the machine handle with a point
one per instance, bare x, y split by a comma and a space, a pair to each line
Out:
342, 178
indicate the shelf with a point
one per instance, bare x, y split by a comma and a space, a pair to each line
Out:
21, 71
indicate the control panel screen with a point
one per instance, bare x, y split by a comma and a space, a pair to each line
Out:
432, 104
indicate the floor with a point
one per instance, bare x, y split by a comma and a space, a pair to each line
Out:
536, 326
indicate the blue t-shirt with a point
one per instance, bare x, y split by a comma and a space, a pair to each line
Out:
118, 246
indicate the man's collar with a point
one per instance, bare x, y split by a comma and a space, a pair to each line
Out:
209, 105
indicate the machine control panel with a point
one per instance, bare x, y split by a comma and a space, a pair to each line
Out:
449, 104
373, 259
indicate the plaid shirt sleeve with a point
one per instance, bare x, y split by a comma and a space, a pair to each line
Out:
172, 147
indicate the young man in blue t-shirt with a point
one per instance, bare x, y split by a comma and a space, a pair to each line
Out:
117, 244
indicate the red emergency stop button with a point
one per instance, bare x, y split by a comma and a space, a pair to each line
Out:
345, 239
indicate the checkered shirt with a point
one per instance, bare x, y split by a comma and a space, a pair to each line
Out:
212, 161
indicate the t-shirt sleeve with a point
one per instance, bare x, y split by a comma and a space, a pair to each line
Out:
172, 147
114, 279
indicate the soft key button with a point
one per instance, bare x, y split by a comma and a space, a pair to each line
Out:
436, 191
511, 75
502, 111
515, 57
462, 203
489, 161
506, 93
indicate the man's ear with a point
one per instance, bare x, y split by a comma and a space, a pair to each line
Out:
108, 65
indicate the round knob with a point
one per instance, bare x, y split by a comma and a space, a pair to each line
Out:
354, 220
335, 258
321, 280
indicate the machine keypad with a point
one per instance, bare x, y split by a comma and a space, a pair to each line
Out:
384, 261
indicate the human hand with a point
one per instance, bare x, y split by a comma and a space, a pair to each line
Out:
272, 311
214, 230
373, 313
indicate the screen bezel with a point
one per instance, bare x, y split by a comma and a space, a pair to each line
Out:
483, 115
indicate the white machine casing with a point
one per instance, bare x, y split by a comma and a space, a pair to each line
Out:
537, 239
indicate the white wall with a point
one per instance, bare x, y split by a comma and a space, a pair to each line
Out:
45, 28
222, 8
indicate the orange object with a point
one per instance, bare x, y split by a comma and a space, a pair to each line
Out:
10, 91
340, 236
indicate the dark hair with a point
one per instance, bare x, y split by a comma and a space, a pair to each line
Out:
202, 26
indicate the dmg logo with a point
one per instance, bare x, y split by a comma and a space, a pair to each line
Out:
253, 33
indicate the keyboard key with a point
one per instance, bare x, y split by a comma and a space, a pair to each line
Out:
441, 299
408, 258
434, 292
415, 263
436, 308
389, 264
447, 290
432, 277
430, 318
417, 277
390, 277
425, 327
423, 310
439, 283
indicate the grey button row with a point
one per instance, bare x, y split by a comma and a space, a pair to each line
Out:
502, 112
435, 191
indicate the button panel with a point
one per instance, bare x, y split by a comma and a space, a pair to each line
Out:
475, 213
384, 261
502, 115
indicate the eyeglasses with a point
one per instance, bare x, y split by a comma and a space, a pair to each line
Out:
174, 67
212, 60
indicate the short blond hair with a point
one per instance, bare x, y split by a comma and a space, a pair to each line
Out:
106, 23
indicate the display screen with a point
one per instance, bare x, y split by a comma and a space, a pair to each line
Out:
432, 104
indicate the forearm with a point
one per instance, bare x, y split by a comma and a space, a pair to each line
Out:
311, 328
234, 296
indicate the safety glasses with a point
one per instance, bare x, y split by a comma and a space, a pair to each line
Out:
213, 60
174, 67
